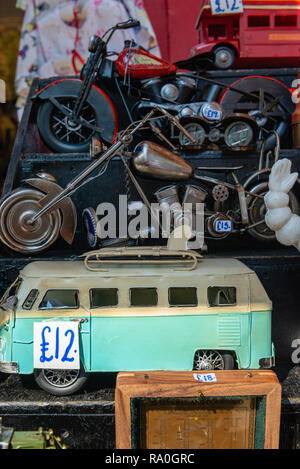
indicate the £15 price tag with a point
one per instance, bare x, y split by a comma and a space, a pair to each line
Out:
56, 345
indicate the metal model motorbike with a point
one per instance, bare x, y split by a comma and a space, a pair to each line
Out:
111, 94
230, 206
32, 218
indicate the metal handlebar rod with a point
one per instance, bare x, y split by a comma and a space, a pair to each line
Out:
110, 153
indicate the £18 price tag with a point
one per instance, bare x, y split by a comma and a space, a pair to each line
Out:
56, 345
205, 378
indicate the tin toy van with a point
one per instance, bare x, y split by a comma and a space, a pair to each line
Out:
249, 33
133, 309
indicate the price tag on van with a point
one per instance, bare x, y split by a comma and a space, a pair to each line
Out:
56, 345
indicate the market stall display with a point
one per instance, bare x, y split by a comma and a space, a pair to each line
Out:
109, 130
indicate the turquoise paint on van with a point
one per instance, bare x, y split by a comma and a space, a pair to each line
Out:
22, 344
157, 343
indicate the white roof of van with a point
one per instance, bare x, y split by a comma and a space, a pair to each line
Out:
69, 269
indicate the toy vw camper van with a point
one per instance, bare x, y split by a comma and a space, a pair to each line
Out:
133, 309
249, 33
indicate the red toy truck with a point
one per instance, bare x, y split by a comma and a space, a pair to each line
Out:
250, 33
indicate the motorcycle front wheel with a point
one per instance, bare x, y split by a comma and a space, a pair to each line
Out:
16, 231
63, 135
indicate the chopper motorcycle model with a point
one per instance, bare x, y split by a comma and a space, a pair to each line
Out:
230, 205
32, 218
111, 94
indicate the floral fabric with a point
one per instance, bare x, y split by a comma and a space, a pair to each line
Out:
50, 46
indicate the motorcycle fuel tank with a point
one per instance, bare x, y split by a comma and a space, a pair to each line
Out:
139, 63
158, 162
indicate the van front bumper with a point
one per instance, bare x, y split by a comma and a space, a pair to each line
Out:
9, 367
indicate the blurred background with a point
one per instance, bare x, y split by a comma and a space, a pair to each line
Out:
10, 28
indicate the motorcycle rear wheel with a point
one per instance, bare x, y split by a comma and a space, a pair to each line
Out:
61, 134
277, 119
257, 211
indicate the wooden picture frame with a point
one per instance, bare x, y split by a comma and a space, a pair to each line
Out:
192, 410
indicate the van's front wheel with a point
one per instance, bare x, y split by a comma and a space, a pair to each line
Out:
60, 382
213, 360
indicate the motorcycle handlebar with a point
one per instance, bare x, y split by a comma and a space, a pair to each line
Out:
128, 24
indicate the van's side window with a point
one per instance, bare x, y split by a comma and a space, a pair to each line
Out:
30, 299
221, 296
60, 299
183, 296
143, 296
101, 297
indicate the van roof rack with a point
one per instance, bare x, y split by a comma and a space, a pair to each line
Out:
95, 260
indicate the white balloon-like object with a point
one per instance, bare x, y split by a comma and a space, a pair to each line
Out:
279, 216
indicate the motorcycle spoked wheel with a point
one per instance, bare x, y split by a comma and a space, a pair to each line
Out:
238, 103
257, 211
60, 133
15, 231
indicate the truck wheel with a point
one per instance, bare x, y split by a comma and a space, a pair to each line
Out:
224, 57
213, 360
60, 382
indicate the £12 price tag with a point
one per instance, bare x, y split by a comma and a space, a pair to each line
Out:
56, 345
223, 7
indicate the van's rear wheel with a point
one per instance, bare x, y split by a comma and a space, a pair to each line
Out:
213, 360
60, 382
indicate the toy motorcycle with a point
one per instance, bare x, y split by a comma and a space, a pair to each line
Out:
229, 206
31, 219
112, 94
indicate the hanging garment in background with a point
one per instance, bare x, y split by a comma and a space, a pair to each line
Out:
48, 42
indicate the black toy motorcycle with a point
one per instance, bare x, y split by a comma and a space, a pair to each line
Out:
111, 94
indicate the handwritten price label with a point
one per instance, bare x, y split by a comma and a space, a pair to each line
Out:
222, 7
205, 378
56, 345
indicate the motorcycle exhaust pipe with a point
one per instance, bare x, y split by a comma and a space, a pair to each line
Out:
243, 205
